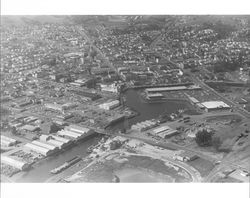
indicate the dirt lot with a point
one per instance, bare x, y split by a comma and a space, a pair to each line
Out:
202, 165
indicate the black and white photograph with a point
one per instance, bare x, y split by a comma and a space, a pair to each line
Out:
125, 98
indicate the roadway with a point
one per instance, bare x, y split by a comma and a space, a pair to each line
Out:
234, 106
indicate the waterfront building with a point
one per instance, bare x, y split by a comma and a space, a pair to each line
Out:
14, 162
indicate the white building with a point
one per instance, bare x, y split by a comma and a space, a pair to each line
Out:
61, 139
6, 141
77, 129
164, 132
56, 143
45, 145
143, 126
73, 135
215, 105
14, 162
110, 105
109, 88
38, 149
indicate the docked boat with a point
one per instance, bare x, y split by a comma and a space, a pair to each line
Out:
66, 165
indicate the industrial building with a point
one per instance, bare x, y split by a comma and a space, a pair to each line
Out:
55, 141
61, 139
45, 145
240, 175
54, 106
70, 134
154, 96
109, 88
110, 105
6, 141
193, 100
173, 88
85, 94
143, 126
186, 156
14, 162
30, 128
164, 132
215, 105
38, 149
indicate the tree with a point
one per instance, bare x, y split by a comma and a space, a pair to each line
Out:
203, 138
14, 130
216, 142
54, 128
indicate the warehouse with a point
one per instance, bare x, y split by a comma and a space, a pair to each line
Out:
154, 96
30, 128
55, 141
215, 105
6, 141
77, 129
45, 145
110, 105
186, 156
57, 144
61, 139
193, 100
240, 175
143, 126
70, 134
173, 88
14, 162
38, 149
164, 132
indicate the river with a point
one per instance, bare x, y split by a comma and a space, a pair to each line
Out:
41, 172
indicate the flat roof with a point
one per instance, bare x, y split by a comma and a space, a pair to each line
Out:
237, 174
215, 104
166, 88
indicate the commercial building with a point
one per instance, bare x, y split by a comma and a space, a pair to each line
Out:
14, 162
110, 105
215, 105
38, 149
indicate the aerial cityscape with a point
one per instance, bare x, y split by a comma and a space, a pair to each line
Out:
129, 99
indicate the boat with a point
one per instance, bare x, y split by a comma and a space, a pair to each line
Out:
66, 165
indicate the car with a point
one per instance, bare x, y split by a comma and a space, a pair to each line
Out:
217, 162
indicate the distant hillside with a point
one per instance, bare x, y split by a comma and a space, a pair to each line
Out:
18, 20
100, 19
